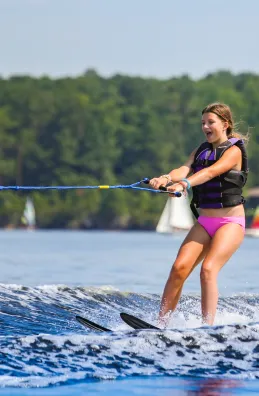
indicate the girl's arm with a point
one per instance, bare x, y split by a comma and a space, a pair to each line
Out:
175, 175
229, 160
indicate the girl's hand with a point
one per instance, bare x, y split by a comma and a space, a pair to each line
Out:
156, 182
177, 187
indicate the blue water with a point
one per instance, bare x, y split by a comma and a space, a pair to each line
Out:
49, 277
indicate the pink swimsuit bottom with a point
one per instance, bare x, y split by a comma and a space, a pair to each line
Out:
212, 224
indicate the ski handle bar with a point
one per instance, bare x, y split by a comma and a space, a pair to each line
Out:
164, 188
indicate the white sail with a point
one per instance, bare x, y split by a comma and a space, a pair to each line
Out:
28, 217
176, 215
163, 225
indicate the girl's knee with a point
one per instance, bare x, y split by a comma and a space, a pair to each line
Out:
207, 273
179, 270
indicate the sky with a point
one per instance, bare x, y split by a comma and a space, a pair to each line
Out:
149, 38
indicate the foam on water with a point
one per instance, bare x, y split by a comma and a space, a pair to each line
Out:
41, 343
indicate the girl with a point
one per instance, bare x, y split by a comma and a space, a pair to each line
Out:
219, 172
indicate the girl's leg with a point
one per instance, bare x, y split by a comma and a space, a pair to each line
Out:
225, 242
191, 253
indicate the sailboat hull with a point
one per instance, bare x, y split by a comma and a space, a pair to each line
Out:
252, 232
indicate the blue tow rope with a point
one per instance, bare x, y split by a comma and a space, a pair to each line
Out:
134, 186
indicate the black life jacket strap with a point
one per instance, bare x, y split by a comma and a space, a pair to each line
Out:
194, 209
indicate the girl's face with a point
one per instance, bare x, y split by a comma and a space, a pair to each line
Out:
214, 128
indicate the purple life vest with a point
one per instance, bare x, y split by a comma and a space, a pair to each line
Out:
224, 190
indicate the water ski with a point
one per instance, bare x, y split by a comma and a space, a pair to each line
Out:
132, 321
136, 323
91, 325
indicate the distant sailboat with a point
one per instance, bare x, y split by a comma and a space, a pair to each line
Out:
176, 216
253, 229
252, 212
29, 217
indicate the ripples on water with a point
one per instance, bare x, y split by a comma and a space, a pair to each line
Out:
41, 344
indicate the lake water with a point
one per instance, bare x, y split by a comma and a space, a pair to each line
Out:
48, 277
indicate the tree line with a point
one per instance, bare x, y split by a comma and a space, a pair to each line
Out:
92, 130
